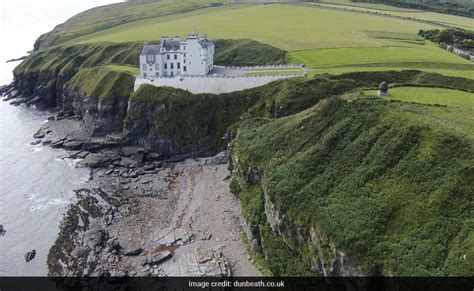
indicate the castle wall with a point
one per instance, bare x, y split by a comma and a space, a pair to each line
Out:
213, 84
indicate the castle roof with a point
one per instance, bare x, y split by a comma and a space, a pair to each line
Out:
150, 49
171, 45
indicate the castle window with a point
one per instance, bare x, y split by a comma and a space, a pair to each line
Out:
178, 65
166, 66
167, 57
175, 57
172, 66
157, 74
184, 68
144, 67
157, 67
150, 58
172, 74
144, 75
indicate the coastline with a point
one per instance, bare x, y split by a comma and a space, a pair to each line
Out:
139, 215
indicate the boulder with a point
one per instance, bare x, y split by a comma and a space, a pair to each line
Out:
94, 238
30, 255
220, 158
158, 257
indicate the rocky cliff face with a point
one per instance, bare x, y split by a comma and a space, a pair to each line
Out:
139, 127
318, 251
101, 116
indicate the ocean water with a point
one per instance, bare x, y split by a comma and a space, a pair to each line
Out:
36, 183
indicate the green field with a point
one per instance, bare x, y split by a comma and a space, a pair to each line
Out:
385, 56
367, 5
469, 74
285, 26
441, 18
448, 97
322, 39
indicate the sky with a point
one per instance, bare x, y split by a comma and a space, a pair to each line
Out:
23, 21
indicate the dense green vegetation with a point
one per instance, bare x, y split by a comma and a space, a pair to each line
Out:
193, 122
246, 52
103, 83
358, 171
457, 7
462, 39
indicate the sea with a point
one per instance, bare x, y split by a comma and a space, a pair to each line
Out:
36, 182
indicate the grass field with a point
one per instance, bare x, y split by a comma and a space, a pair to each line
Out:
322, 39
451, 20
368, 5
358, 56
286, 26
448, 97
469, 74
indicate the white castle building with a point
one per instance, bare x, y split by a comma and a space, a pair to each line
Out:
185, 64
173, 57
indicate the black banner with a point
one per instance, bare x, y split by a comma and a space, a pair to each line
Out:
239, 283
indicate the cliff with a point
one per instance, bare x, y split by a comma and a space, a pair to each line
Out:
358, 187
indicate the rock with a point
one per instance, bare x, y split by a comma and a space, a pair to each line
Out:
152, 157
99, 160
131, 150
94, 238
39, 135
38, 141
2, 230
149, 167
57, 143
30, 255
130, 249
80, 252
220, 158
255, 246
47, 141
159, 257
206, 236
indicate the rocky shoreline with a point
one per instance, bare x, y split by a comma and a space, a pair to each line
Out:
141, 214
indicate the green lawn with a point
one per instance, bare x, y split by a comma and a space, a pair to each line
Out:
287, 27
441, 18
337, 71
370, 55
448, 97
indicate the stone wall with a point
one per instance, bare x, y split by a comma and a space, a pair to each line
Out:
213, 84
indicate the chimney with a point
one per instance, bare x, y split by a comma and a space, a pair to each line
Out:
164, 39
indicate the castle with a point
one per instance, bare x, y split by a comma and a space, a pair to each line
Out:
189, 65
193, 56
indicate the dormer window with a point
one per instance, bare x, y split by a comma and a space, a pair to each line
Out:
150, 58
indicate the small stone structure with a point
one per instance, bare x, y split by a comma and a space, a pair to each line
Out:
383, 89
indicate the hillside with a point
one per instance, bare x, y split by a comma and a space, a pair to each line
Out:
385, 183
